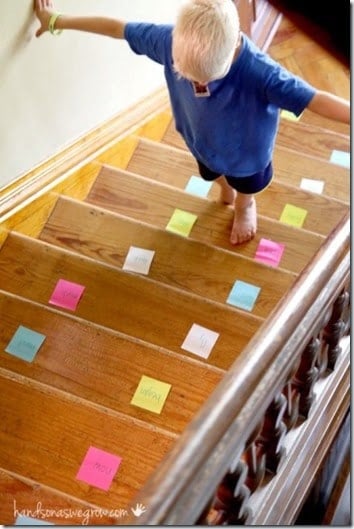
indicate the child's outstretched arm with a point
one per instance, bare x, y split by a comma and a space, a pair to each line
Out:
44, 10
330, 106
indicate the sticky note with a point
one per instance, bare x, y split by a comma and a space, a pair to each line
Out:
151, 394
181, 222
340, 158
26, 520
243, 295
315, 186
269, 252
293, 215
197, 186
66, 294
25, 343
200, 341
290, 116
138, 260
98, 468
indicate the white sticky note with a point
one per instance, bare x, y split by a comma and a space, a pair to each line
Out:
138, 260
315, 186
200, 341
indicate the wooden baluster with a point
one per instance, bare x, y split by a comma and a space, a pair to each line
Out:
292, 396
306, 376
335, 328
273, 433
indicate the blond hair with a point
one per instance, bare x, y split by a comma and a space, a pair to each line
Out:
205, 39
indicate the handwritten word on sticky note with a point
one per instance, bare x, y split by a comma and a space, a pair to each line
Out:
293, 215
25, 343
151, 394
243, 295
269, 252
26, 520
200, 341
290, 116
181, 222
341, 158
197, 186
315, 186
98, 468
138, 260
66, 294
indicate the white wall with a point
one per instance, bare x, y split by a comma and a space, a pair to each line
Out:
55, 89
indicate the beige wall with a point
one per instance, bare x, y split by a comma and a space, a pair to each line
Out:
55, 89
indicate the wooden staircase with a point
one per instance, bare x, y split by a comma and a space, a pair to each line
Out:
77, 391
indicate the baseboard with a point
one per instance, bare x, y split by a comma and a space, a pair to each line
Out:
81, 151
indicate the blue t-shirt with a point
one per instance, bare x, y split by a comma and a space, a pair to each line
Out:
233, 130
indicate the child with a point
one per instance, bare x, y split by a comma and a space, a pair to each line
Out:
225, 94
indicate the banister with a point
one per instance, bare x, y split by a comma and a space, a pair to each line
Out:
203, 453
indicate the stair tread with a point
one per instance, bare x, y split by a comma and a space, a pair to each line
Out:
300, 137
49, 443
89, 367
199, 268
134, 196
124, 302
21, 496
272, 200
161, 162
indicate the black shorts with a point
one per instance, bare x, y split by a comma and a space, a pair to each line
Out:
244, 184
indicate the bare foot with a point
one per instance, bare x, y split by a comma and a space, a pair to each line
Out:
245, 222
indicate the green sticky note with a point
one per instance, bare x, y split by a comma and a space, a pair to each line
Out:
243, 295
25, 343
293, 215
151, 394
290, 116
181, 222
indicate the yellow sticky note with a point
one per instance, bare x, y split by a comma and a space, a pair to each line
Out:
293, 215
289, 115
151, 394
181, 222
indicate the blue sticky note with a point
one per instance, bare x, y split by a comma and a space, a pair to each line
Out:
25, 343
243, 295
198, 186
341, 158
26, 520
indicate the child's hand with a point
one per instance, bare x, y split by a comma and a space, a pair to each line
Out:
44, 9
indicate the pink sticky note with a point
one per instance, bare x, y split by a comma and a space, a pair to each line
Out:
98, 468
269, 252
66, 294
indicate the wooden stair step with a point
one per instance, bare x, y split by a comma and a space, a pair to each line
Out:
102, 366
198, 268
272, 200
135, 196
131, 304
310, 139
313, 119
302, 138
49, 443
161, 162
22, 496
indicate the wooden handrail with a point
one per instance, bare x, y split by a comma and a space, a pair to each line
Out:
185, 480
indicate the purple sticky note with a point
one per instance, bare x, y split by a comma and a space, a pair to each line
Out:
98, 468
66, 294
269, 252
